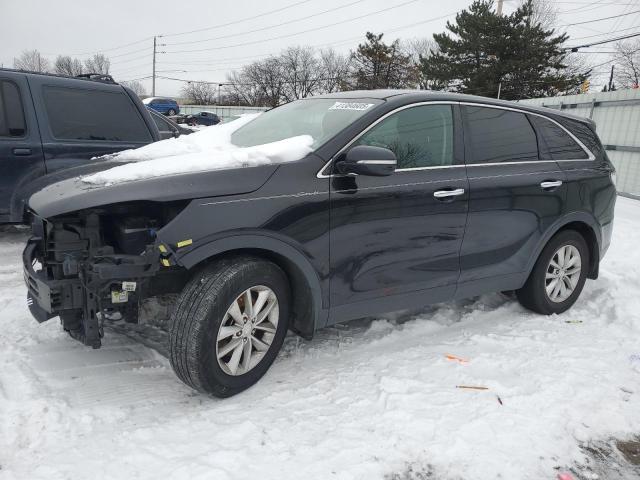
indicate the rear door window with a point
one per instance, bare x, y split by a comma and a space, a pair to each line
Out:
554, 142
84, 114
12, 123
497, 135
419, 136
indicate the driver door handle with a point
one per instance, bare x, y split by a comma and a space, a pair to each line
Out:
551, 184
448, 193
21, 151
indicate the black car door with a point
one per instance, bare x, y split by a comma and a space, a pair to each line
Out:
21, 156
395, 240
514, 196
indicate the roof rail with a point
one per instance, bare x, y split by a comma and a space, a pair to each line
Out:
100, 77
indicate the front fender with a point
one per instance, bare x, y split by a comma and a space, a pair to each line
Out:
268, 243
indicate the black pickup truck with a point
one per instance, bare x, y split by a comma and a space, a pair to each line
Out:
52, 126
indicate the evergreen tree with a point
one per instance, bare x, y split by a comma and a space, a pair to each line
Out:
483, 51
378, 65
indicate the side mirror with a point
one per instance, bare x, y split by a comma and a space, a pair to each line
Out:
367, 160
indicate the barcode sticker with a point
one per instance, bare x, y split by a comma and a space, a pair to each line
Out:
351, 106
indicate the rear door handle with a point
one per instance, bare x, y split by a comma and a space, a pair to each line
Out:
551, 184
21, 151
448, 193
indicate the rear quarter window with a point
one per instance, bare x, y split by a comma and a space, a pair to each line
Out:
554, 142
90, 114
12, 123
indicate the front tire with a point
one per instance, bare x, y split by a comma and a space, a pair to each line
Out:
229, 324
558, 276
171, 112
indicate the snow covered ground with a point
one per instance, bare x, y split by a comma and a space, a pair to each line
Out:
370, 400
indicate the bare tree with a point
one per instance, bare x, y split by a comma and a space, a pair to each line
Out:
627, 69
31, 60
240, 89
199, 93
300, 73
545, 13
65, 65
334, 70
260, 83
136, 86
419, 50
98, 63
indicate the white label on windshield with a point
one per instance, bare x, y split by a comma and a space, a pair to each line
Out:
350, 106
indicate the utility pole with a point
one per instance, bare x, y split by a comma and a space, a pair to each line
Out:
499, 7
153, 75
499, 90
611, 78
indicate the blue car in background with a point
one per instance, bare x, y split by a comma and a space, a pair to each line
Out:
166, 106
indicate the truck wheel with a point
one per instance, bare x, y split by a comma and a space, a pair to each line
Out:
558, 275
229, 324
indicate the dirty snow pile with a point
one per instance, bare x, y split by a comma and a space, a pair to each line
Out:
207, 149
370, 400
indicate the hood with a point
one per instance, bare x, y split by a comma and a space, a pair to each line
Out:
73, 194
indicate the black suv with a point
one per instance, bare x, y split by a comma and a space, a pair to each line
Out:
52, 123
408, 198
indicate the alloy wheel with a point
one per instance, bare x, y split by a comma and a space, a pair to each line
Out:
563, 273
247, 330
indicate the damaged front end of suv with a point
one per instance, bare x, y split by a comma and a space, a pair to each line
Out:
95, 263
96, 253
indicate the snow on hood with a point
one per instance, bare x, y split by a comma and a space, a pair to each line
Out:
207, 149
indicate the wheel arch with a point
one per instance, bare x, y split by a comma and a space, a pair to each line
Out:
587, 226
308, 313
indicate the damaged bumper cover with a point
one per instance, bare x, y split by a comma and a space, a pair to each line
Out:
85, 286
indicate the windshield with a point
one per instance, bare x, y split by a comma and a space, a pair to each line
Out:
320, 118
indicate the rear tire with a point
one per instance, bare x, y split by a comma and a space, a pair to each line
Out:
171, 112
203, 353
539, 293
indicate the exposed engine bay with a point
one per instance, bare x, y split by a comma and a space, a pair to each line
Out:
99, 264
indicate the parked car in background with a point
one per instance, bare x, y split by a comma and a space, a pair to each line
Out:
166, 106
203, 118
167, 127
50, 124
406, 199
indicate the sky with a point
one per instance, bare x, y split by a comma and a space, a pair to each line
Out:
205, 39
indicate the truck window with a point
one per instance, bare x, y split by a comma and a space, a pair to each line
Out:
87, 114
12, 122
499, 135
554, 143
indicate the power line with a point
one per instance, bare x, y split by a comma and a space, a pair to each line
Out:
269, 26
235, 22
601, 42
601, 34
600, 19
106, 49
296, 33
240, 60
